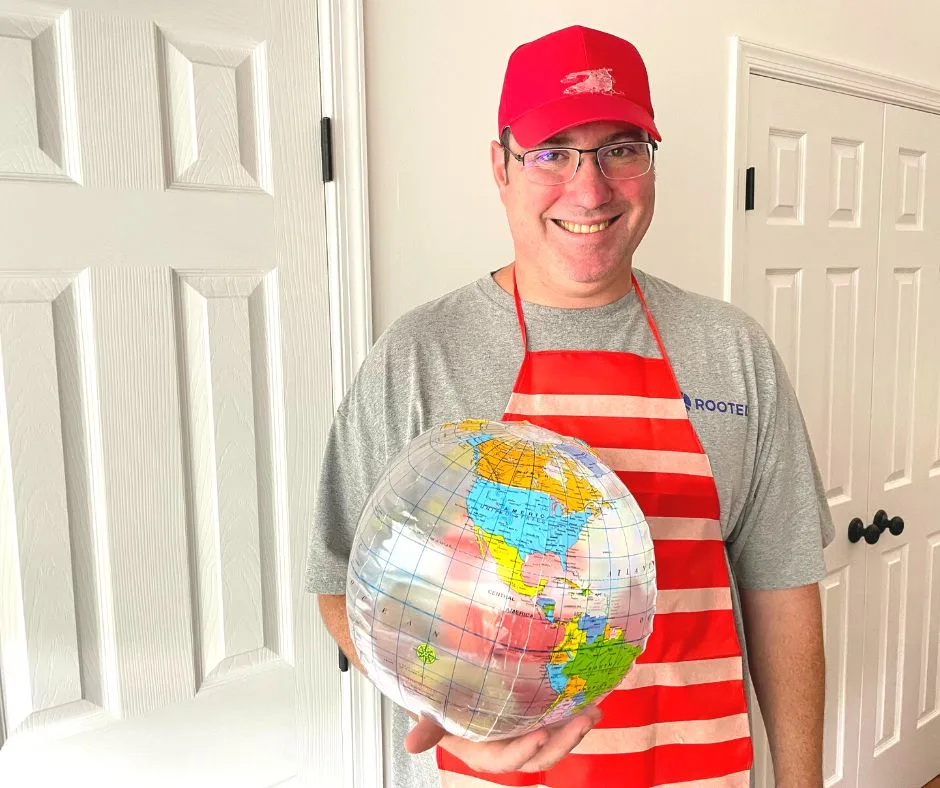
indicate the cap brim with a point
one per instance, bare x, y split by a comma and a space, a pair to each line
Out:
537, 125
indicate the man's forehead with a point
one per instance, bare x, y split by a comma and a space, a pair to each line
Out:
598, 133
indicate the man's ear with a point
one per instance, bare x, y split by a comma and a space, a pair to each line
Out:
498, 162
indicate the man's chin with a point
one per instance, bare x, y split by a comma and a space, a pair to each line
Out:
593, 274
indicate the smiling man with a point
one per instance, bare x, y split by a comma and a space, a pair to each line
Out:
577, 240
571, 336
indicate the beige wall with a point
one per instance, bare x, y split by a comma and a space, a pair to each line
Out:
433, 75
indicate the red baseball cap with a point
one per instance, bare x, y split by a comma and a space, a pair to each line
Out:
573, 76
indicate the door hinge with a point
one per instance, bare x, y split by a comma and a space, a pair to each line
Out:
749, 190
326, 148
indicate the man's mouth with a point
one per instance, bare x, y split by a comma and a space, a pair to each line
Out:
585, 229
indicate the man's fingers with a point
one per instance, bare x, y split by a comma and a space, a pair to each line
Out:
562, 741
590, 714
423, 736
501, 756
593, 714
514, 753
540, 749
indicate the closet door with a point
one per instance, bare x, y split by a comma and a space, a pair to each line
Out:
810, 270
900, 690
165, 395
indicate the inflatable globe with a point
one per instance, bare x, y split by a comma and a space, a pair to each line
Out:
501, 578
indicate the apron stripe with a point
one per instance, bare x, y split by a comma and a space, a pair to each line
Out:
681, 636
736, 780
660, 505
596, 405
620, 741
653, 461
457, 780
638, 433
599, 373
684, 528
678, 486
693, 600
683, 674
688, 564
673, 495
662, 765
636, 707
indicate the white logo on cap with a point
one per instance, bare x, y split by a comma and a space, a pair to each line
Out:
597, 80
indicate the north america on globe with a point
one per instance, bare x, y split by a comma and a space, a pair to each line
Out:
501, 578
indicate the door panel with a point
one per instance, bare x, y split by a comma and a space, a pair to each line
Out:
900, 724
164, 339
811, 266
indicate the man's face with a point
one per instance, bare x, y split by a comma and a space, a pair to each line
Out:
544, 220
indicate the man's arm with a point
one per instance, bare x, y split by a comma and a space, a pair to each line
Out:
783, 631
333, 610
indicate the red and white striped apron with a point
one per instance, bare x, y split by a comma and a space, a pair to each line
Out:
680, 716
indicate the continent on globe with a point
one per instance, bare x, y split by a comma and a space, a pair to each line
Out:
586, 665
501, 578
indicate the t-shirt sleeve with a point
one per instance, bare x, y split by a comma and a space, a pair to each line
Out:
786, 523
354, 458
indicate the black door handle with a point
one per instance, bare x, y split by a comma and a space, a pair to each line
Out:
872, 533
895, 524
858, 529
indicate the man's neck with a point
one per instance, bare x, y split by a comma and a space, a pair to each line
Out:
536, 291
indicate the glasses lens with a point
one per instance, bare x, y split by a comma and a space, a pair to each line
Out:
625, 159
549, 166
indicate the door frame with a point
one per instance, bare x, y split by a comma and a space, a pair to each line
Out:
341, 46
747, 58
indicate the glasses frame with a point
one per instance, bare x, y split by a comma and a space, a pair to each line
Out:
520, 157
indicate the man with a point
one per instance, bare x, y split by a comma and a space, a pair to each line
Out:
687, 391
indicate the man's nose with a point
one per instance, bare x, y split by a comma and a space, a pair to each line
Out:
590, 187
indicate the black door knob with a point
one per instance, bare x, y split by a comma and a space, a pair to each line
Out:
893, 524
858, 529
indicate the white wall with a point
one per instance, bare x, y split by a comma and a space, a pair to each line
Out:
433, 75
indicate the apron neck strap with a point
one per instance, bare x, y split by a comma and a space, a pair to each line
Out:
649, 320
639, 294
519, 317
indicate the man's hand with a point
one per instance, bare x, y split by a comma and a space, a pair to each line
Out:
531, 752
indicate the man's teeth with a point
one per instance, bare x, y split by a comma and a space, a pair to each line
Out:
571, 227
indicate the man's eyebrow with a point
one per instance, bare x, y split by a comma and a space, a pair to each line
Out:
626, 135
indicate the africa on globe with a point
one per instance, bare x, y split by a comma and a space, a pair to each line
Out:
501, 578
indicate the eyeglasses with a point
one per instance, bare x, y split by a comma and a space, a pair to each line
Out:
618, 161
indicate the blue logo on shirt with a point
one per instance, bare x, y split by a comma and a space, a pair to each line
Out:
715, 406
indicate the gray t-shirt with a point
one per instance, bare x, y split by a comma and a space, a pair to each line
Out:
457, 357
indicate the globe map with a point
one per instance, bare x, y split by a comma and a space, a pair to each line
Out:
501, 578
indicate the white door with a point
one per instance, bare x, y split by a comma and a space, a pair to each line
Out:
901, 695
811, 261
164, 393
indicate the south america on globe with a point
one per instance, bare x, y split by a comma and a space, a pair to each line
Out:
501, 578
